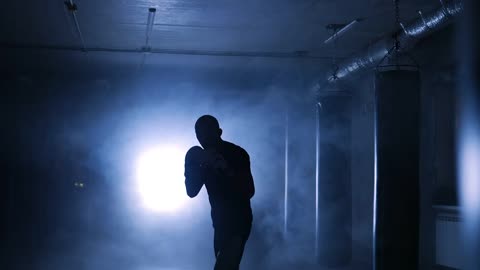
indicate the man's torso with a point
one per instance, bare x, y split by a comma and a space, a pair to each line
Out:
230, 210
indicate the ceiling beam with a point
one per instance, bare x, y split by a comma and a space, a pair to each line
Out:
259, 54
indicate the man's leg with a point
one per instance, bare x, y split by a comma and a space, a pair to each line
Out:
229, 250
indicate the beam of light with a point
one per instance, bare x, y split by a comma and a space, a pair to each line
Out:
160, 180
317, 174
375, 189
470, 170
469, 174
469, 183
285, 209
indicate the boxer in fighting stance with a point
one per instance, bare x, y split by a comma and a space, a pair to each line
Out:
224, 169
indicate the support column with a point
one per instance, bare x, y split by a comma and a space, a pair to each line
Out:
334, 189
396, 201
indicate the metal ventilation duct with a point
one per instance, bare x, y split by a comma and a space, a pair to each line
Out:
407, 37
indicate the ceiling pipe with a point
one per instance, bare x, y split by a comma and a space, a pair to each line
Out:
72, 8
407, 37
253, 54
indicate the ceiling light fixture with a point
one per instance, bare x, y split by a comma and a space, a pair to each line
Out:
340, 29
150, 21
72, 8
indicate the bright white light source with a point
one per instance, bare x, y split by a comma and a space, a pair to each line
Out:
160, 178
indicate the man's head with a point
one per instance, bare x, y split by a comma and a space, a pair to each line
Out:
208, 131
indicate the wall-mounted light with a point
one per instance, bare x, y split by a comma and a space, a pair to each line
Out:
79, 184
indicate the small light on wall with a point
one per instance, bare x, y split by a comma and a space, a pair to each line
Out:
78, 184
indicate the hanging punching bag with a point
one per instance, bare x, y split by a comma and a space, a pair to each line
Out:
396, 202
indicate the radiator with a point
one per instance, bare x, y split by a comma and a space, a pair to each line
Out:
448, 237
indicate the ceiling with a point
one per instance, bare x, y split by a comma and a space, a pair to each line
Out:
43, 34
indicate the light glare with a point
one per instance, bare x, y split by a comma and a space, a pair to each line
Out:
160, 179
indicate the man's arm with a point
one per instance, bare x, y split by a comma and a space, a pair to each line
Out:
244, 178
193, 180
250, 186
193, 171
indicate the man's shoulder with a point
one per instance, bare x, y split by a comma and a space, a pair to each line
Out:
235, 148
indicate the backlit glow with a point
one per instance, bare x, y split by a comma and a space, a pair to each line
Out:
160, 179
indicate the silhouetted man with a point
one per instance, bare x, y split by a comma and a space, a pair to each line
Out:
224, 168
